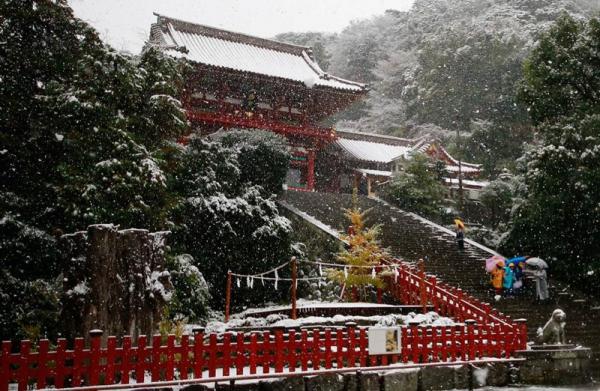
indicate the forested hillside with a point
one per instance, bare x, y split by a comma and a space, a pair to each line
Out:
444, 65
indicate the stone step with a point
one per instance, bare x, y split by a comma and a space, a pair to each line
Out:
410, 238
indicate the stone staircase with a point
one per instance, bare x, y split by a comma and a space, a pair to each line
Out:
411, 237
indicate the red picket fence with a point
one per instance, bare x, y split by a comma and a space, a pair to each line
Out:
209, 356
484, 333
412, 286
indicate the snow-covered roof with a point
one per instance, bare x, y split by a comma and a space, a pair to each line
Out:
371, 151
374, 172
467, 182
465, 168
245, 53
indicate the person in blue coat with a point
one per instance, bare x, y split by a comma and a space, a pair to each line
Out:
509, 277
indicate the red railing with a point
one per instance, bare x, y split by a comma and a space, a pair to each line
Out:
484, 333
412, 286
210, 356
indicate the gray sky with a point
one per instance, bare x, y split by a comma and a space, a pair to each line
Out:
125, 23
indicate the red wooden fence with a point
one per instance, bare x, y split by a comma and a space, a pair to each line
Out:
484, 333
446, 300
202, 356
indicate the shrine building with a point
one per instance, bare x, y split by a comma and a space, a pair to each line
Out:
241, 81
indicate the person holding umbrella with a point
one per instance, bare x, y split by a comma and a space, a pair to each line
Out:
540, 276
518, 264
498, 277
509, 277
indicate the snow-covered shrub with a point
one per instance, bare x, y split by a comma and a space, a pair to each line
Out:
191, 296
28, 309
226, 223
255, 148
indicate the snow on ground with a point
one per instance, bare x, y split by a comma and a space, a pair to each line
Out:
245, 319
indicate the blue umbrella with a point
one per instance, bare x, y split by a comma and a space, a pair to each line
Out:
515, 260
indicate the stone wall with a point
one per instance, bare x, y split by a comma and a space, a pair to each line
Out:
113, 280
413, 379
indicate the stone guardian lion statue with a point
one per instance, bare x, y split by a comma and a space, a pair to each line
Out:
553, 332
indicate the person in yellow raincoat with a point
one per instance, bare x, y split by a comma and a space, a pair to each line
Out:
498, 277
460, 233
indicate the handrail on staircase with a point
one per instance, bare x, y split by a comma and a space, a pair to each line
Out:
472, 303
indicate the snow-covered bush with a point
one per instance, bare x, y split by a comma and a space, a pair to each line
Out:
191, 295
254, 148
224, 222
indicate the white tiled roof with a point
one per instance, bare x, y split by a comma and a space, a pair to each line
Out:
373, 152
374, 172
467, 182
219, 48
464, 168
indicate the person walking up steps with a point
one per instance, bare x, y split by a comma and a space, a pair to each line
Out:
460, 233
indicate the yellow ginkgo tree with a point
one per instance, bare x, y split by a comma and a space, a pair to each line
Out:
362, 254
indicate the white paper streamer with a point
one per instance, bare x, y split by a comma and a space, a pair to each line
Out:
238, 282
248, 281
373, 273
396, 274
320, 270
345, 272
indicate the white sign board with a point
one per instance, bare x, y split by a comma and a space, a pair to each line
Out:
384, 340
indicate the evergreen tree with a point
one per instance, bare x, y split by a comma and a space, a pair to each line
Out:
418, 188
559, 218
255, 148
79, 128
362, 255
223, 221
461, 79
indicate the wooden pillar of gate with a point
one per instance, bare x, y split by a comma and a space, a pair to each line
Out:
228, 296
422, 285
294, 286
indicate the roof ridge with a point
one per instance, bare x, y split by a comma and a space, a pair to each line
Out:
234, 36
376, 135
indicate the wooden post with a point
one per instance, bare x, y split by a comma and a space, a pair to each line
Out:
379, 290
294, 283
94, 369
422, 285
310, 174
228, 296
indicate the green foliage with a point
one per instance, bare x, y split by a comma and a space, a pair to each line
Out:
79, 123
191, 295
496, 146
318, 42
255, 149
561, 76
363, 250
224, 222
417, 189
28, 309
461, 79
497, 198
559, 218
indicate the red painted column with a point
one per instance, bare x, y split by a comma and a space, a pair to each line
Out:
310, 174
